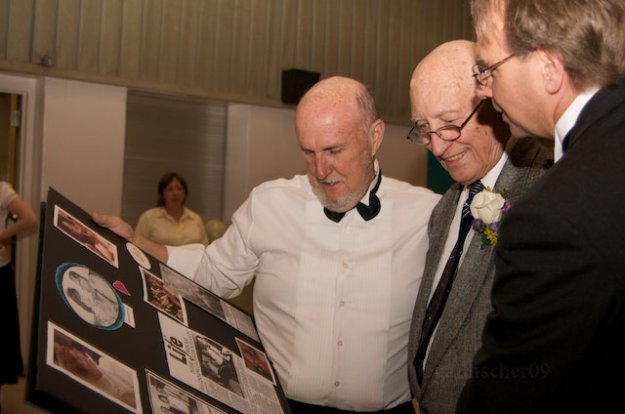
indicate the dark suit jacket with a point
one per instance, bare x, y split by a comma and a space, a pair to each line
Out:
459, 333
555, 340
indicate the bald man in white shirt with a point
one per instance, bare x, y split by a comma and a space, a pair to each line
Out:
337, 255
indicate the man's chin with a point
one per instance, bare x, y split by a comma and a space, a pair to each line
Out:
337, 208
330, 201
333, 201
515, 130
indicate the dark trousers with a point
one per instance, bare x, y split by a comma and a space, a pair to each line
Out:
303, 408
10, 353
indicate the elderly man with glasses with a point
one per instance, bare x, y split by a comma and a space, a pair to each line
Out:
471, 141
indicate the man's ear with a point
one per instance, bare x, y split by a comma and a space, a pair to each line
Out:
553, 71
376, 135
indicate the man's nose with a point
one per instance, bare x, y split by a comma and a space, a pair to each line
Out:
486, 90
322, 166
437, 145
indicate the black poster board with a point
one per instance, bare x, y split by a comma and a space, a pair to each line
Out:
114, 330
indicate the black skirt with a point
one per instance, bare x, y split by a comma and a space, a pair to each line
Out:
11, 365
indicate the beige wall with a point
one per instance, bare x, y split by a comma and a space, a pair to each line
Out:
229, 50
83, 146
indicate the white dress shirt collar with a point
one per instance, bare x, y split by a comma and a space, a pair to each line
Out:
568, 119
365, 198
491, 176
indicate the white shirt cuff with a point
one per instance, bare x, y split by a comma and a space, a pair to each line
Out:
185, 259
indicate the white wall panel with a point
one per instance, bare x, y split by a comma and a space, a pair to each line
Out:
230, 50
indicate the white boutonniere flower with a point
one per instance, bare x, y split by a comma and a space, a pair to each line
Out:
488, 209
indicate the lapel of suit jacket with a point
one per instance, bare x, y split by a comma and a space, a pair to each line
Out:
438, 228
595, 110
523, 166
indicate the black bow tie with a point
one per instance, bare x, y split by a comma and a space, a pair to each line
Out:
366, 212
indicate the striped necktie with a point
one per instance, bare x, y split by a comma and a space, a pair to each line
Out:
439, 298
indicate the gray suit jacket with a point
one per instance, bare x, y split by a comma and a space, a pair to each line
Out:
459, 332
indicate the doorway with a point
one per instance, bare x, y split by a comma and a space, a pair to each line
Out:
20, 165
10, 110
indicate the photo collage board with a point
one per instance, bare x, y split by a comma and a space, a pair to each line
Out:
115, 330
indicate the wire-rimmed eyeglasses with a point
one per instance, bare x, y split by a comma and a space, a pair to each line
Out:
446, 133
481, 74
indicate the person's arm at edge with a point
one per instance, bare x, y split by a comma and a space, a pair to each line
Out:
123, 229
26, 218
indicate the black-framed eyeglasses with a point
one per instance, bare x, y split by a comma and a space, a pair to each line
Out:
446, 133
481, 74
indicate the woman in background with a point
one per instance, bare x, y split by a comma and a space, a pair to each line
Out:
15, 217
170, 222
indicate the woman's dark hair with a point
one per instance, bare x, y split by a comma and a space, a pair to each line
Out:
165, 181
